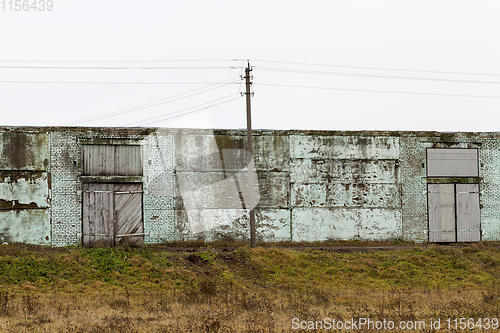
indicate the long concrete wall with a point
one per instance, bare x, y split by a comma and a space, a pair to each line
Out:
313, 185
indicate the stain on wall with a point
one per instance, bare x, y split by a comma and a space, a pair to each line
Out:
24, 151
314, 185
344, 187
24, 187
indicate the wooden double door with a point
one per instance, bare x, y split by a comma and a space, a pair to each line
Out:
112, 214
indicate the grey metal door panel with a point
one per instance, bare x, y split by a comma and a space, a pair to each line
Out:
441, 200
452, 162
468, 236
441, 236
468, 214
454, 213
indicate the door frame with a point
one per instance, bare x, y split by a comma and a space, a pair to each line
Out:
455, 213
112, 226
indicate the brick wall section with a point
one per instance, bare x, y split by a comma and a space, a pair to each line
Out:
413, 189
414, 185
160, 189
489, 170
65, 170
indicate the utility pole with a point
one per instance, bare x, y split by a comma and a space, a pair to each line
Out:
249, 139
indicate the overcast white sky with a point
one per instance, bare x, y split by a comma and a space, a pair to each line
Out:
396, 65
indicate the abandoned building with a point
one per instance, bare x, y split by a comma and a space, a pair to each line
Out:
76, 185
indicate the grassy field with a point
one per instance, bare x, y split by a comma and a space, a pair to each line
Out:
267, 289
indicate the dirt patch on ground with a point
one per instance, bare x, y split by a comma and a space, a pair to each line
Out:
14, 249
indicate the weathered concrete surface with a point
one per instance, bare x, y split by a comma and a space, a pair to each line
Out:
30, 226
206, 167
365, 171
273, 225
345, 187
346, 195
271, 152
24, 151
203, 152
211, 224
24, 189
209, 190
323, 224
344, 147
274, 189
233, 224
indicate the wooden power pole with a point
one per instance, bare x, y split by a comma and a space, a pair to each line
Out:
249, 139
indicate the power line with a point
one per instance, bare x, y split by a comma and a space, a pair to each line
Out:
186, 113
154, 103
289, 70
378, 68
194, 106
103, 82
120, 61
375, 91
116, 68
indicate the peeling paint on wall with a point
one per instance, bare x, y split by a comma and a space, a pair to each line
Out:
323, 224
24, 189
313, 185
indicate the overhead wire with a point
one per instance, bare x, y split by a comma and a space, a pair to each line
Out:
373, 91
117, 68
121, 61
234, 81
155, 103
289, 70
378, 68
186, 113
102, 82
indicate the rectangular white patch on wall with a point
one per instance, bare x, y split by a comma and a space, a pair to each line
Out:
452, 162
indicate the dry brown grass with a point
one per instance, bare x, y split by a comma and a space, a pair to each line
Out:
245, 312
244, 290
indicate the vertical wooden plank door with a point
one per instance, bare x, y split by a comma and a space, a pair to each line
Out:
441, 201
98, 214
112, 214
128, 214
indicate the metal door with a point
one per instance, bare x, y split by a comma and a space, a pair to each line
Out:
441, 202
112, 214
468, 215
454, 214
